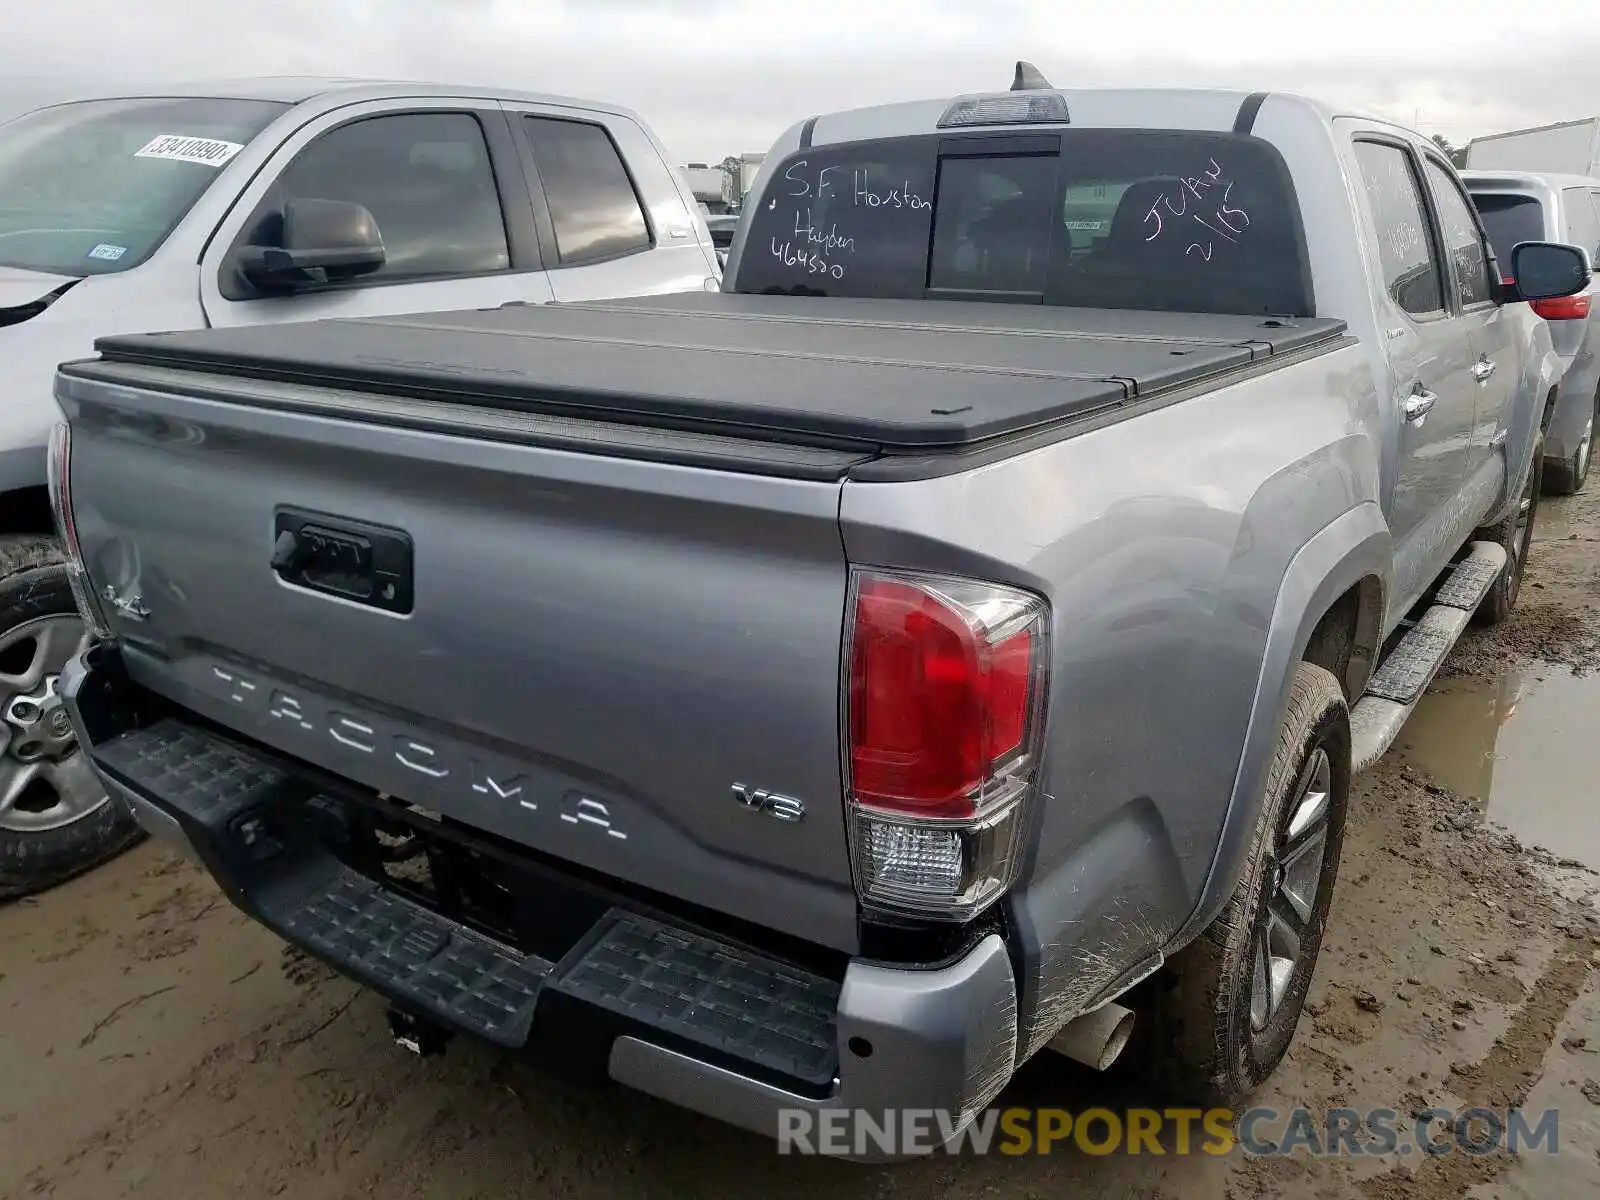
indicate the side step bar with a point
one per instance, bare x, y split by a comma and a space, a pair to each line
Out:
1405, 674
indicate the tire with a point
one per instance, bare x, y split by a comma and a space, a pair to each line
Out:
1567, 477
1218, 1032
1515, 534
61, 823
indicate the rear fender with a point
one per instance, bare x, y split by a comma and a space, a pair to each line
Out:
1352, 548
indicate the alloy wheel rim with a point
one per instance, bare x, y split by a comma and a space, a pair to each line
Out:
46, 782
1293, 890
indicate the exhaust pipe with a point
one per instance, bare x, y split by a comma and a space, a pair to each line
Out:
1096, 1039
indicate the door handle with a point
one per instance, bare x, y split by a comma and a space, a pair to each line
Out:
1482, 369
1418, 405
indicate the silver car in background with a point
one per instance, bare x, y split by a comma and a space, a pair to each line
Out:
1521, 206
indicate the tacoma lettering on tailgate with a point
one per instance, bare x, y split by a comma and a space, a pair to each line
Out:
305, 717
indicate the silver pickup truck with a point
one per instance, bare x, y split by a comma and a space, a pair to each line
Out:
950, 640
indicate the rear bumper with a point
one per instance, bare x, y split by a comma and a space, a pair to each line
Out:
155, 821
689, 1015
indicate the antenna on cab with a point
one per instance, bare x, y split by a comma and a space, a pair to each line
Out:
1029, 79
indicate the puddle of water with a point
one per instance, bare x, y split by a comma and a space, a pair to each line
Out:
1524, 744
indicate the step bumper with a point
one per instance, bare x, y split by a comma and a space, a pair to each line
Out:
686, 1015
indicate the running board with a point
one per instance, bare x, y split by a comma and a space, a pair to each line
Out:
1404, 676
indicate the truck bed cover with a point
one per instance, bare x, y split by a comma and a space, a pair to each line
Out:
887, 375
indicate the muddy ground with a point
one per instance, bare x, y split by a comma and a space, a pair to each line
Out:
154, 1044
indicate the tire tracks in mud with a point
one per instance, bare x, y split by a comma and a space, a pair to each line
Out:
1558, 624
143, 1120
211, 1084
1503, 1079
110, 1018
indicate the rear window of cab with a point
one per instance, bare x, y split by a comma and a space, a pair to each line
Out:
1173, 221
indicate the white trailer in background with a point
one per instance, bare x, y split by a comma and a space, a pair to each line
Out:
748, 170
1570, 148
722, 188
707, 184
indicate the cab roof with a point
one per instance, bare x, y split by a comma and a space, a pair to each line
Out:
335, 89
1099, 107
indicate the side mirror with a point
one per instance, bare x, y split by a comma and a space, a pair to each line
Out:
322, 241
1548, 270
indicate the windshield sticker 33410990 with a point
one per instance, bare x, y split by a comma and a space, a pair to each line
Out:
207, 152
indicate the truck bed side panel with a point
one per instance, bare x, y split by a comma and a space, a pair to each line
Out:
1161, 543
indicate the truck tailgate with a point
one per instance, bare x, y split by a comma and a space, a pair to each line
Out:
597, 649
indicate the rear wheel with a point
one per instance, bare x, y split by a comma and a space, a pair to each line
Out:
56, 819
1227, 1007
1567, 478
1515, 534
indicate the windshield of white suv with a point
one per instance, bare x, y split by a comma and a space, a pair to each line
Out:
95, 186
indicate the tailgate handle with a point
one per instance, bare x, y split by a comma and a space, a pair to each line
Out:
353, 560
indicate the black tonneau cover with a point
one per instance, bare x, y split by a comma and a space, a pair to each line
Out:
904, 375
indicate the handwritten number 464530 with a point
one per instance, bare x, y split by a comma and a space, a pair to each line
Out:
1227, 222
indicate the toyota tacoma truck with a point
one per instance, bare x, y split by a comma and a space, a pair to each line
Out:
953, 638
261, 201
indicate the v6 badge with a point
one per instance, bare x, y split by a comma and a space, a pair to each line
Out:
779, 808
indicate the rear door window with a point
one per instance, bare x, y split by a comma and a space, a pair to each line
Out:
1128, 219
1463, 240
593, 206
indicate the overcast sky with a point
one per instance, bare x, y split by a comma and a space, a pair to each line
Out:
723, 76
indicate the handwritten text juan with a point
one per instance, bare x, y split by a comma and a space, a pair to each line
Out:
1192, 198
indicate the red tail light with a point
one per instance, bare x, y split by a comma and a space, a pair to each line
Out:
1562, 308
935, 704
945, 697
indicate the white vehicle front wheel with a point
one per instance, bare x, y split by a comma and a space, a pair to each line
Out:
56, 819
